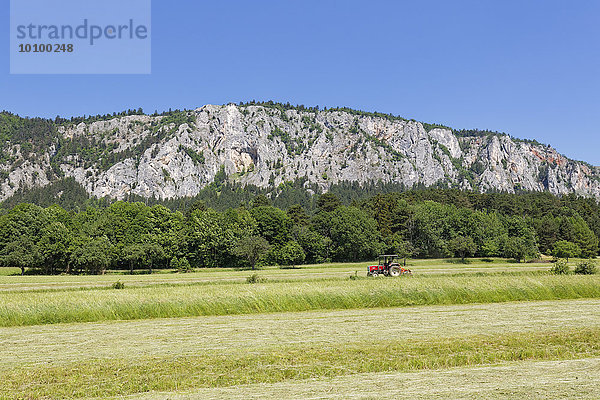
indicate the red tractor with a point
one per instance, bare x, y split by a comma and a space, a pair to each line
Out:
388, 265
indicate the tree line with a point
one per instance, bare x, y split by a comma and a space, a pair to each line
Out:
133, 236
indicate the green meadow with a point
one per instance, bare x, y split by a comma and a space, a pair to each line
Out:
317, 331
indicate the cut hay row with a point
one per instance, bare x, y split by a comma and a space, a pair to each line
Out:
115, 376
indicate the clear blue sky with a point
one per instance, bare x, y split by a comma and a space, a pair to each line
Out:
527, 68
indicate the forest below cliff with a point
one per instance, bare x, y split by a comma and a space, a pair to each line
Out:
335, 226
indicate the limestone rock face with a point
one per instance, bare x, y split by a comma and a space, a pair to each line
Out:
155, 156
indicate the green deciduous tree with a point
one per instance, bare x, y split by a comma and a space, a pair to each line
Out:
290, 254
92, 256
566, 249
21, 253
354, 235
520, 242
135, 255
212, 236
252, 249
273, 224
462, 246
54, 246
315, 246
519, 248
431, 228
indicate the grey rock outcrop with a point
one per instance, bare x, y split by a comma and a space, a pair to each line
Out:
265, 146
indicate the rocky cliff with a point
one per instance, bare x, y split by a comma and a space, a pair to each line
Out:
175, 155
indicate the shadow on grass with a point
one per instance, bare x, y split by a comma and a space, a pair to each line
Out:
457, 261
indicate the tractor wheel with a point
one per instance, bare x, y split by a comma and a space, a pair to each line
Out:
394, 271
374, 274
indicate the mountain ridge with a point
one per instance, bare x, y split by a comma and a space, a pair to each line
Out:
178, 153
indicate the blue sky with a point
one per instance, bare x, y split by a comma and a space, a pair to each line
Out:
527, 68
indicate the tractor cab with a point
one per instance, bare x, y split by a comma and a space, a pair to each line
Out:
388, 265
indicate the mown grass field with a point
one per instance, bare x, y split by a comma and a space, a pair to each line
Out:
9, 280
455, 330
532, 380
